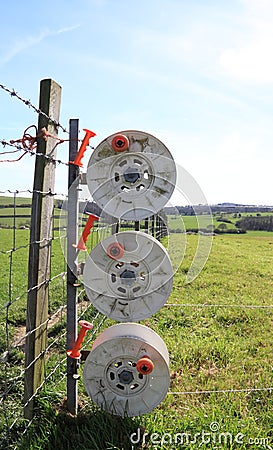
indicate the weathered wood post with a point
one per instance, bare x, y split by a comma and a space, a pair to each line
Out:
40, 245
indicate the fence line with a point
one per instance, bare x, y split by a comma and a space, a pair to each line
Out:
13, 414
12, 411
98, 319
32, 191
62, 308
12, 380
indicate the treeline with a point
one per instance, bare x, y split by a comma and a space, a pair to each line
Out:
216, 209
263, 223
187, 210
208, 231
11, 205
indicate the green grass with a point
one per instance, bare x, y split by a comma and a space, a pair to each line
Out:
22, 207
223, 221
188, 222
218, 340
9, 200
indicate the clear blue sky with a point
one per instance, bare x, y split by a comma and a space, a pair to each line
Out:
197, 74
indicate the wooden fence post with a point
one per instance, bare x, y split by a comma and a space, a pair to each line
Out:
72, 294
40, 245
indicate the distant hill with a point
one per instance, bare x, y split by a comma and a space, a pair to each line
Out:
228, 208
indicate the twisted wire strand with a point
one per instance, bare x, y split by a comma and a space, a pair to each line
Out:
31, 152
28, 103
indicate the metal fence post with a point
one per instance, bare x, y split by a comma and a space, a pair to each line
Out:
72, 294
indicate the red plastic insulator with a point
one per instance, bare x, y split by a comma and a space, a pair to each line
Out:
83, 239
75, 352
120, 143
88, 135
145, 365
115, 250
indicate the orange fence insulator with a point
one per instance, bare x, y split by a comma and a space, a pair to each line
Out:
75, 352
83, 239
78, 160
115, 250
120, 143
145, 365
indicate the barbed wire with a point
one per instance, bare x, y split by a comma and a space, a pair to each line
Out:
18, 146
31, 152
34, 191
28, 103
11, 380
32, 140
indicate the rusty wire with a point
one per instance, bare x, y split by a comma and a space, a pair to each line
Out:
32, 152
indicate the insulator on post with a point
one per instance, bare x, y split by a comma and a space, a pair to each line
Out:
115, 250
132, 184
120, 143
111, 376
133, 284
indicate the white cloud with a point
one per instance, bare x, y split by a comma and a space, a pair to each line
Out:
238, 46
252, 62
259, 7
232, 166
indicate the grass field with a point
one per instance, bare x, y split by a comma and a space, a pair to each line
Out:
182, 222
218, 330
222, 221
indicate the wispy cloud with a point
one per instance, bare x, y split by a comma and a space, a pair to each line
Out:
30, 41
66, 29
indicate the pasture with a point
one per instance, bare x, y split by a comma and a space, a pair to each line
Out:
222, 221
218, 330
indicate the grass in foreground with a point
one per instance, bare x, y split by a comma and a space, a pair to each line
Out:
223, 351
220, 349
